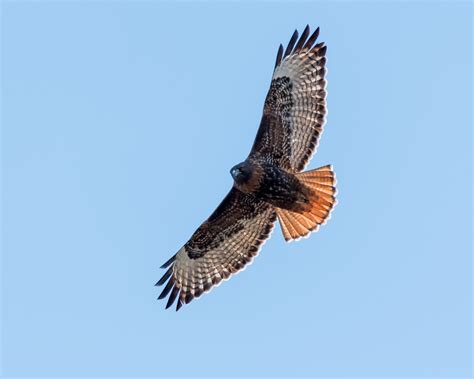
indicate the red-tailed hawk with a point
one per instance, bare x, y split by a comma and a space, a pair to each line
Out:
269, 184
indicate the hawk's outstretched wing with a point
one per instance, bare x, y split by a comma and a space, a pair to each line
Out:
221, 246
295, 107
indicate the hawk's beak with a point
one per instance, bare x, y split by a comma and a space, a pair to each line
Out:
235, 172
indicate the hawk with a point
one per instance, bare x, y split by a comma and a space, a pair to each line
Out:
269, 184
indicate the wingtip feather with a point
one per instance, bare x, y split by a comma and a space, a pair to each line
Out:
311, 40
165, 277
169, 261
167, 289
291, 44
302, 39
172, 298
279, 55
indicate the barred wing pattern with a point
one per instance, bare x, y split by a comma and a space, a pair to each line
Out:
223, 245
295, 106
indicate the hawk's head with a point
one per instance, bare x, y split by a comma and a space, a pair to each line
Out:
246, 176
241, 172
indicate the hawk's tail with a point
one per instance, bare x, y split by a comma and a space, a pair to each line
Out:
321, 183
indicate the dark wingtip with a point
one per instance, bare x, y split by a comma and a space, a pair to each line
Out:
291, 44
311, 40
169, 261
188, 298
279, 55
167, 289
302, 39
165, 277
322, 51
303, 44
179, 304
172, 297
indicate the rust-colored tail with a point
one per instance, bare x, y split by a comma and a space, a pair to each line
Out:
321, 183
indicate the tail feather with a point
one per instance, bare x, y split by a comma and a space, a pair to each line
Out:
321, 183
291, 227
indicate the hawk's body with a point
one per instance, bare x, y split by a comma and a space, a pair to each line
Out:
269, 184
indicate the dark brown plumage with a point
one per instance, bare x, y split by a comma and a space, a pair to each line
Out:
269, 184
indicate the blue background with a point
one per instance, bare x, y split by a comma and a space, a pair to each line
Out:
120, 121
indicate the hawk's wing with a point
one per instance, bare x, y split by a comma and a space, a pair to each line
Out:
295, 107
221, 246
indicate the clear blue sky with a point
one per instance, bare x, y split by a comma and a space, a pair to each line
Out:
120, 122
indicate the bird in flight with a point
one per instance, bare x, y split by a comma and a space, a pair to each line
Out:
269, 184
